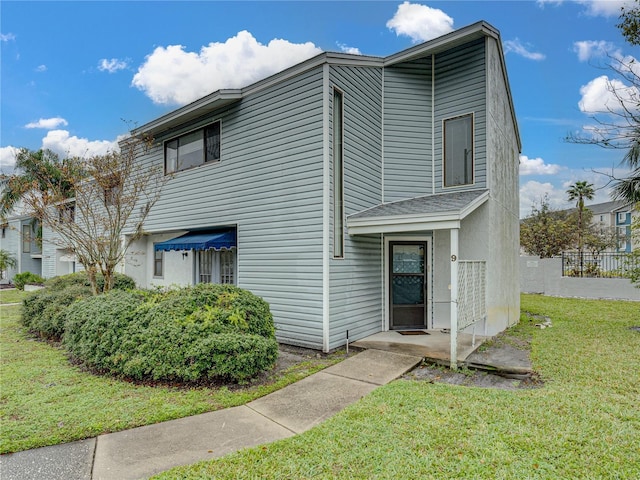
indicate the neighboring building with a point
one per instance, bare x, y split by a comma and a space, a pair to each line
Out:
22, 237
615, 216
604, 213
355, 194
624, 216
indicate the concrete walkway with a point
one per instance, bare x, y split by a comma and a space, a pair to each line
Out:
146, 451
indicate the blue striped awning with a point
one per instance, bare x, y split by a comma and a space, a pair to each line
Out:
200, 241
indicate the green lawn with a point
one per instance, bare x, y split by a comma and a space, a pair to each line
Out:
584, 422
45, 401
12, 295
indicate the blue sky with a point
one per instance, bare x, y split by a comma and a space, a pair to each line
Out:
75, 75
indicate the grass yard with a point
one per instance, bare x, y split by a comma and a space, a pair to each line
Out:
11, 295
584, 422
45, 401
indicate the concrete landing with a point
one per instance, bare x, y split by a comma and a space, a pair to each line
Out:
434, 346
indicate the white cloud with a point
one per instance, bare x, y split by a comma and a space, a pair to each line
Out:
62, 143
588, 49
41, 68
536, 166
48, 123
420, 22
6, 37
172, 75
7, 158
112, 65
542, 3
532, 192
518, 48
345, 49
603, 94
604, 8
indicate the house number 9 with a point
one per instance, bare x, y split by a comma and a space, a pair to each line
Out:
453, 258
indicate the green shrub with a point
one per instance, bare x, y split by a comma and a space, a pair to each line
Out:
43, 311
21, 279
190, 334
94, 327
121, 282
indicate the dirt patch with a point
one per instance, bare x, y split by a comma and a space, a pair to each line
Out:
504, 363
471, 378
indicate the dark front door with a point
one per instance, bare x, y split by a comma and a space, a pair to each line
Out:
408, 283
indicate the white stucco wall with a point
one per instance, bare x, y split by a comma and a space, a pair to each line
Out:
178, 269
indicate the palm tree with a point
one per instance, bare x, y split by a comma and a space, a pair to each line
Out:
34, 171
580, 191
6, 261
628, 188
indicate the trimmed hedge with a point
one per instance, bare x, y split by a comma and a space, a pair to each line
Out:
43, 311
95, 326
21, 279
121, 282
192, 334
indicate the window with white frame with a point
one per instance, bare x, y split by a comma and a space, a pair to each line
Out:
458, 151
622, 217
216, 266
26, 238
192, 149
623, 238
227, 266
158, 263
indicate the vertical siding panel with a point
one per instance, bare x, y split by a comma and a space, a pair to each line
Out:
356, 280
407, 130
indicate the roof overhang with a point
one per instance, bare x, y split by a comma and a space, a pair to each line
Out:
445, 42
377, 220
197, 109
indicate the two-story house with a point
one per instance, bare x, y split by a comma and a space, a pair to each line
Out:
353, 193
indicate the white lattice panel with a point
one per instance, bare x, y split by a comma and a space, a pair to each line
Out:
472, 306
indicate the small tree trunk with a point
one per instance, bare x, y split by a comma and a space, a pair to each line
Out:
92, 272
109, 279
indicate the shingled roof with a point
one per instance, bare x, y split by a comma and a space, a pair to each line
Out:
431, 211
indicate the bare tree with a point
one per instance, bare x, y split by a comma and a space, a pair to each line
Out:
112, 196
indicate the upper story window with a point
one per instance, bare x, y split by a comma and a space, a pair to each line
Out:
67, 213
622, 217
26, 238
193, 149
458, 151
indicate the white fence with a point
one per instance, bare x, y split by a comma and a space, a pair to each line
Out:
545, 276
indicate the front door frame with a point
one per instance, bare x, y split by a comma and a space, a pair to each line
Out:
387, 270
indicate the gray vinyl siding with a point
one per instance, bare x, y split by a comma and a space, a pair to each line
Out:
269, 184
356, 280
460, 88
407, 130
